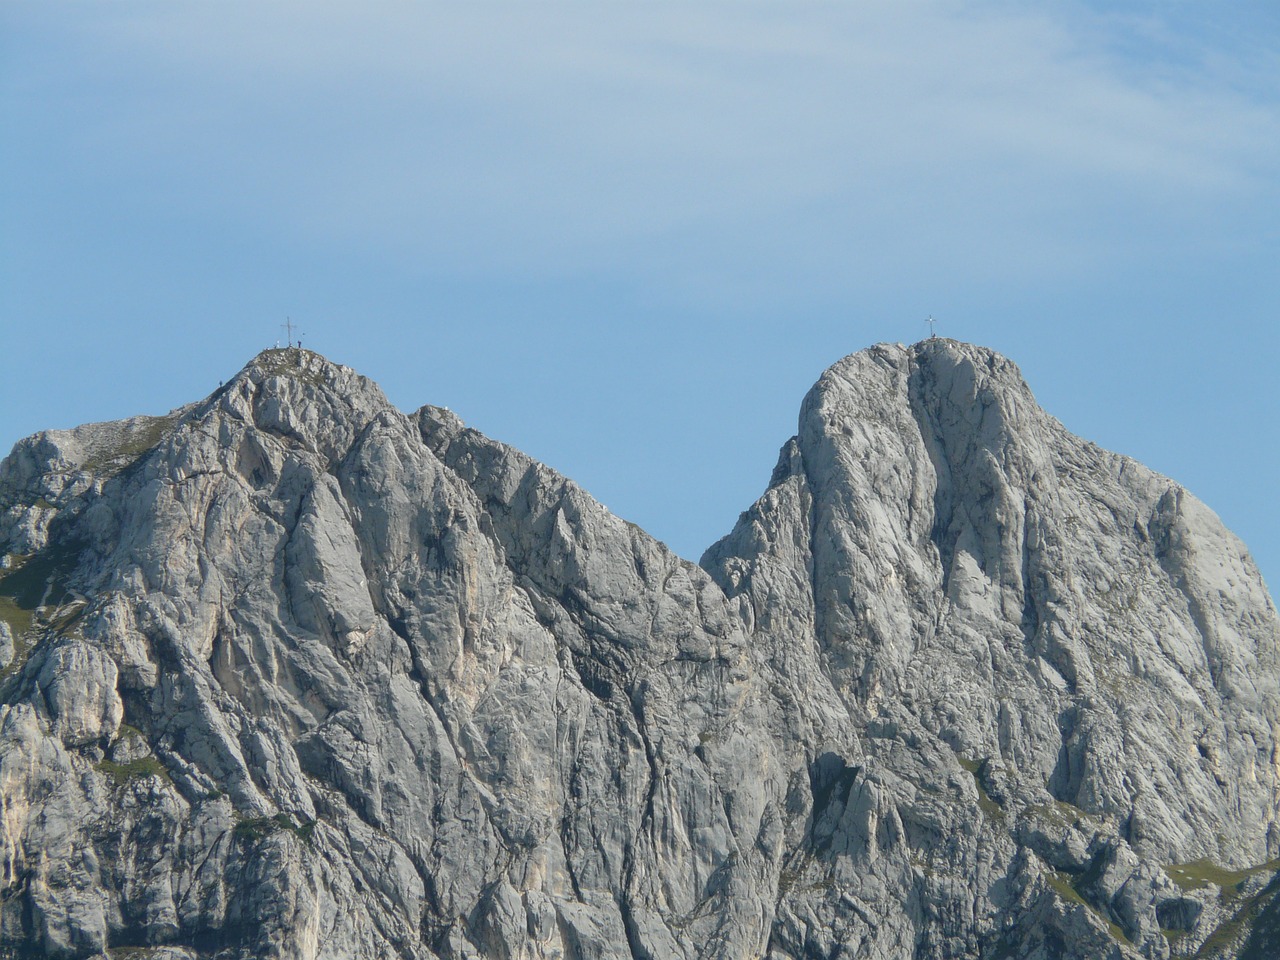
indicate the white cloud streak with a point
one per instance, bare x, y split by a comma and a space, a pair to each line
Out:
505, 138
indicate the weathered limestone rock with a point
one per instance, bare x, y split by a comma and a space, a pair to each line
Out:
306, 677
78, 683
1083, 634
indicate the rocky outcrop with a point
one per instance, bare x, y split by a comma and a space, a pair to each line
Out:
292, 674
1084, 636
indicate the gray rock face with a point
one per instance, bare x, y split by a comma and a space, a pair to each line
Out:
1084, 635
291, 674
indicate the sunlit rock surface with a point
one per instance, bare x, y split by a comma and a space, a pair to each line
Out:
291, 674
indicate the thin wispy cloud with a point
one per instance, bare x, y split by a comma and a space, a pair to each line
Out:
526, 138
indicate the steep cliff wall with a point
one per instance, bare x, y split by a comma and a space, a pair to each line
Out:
289, 673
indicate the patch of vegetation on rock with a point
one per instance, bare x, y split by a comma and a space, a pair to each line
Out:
122, 773
253, 829
131, 444
1066, 889
1199, 874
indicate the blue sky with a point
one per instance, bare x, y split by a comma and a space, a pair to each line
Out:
627, 238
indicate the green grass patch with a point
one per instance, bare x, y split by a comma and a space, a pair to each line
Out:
18, 612
1231, 932
1113, 928
18, 619
1063, 886
985, 803
31, 586
37, 580
1059, 813
122, 773
254, 829
26, 583
133, 444
1199, 874
989, 806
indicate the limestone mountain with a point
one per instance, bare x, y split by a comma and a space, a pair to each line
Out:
289, 673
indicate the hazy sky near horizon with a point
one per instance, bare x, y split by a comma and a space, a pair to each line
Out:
626, 238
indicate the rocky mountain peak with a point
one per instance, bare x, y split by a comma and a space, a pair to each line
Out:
1024, 593
288, 673
300, 395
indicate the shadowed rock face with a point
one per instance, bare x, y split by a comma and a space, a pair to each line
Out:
291, 674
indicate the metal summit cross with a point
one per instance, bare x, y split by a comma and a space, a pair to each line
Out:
931, 322
288, 328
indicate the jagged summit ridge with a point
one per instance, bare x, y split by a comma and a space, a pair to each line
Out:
293, 674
